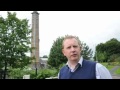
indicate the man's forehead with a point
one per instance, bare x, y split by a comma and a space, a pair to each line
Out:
69, 40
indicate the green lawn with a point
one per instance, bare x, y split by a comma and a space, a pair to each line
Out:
109, 67
112, 65
117, 71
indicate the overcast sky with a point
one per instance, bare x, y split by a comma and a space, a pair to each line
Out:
92, 27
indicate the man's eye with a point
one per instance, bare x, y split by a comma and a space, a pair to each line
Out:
75, 46
68, 47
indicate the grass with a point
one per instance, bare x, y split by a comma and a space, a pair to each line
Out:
105, 64
111, 66
117, 71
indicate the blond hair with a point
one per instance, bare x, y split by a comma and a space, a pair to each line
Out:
70, 37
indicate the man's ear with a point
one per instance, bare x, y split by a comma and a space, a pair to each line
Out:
80, 49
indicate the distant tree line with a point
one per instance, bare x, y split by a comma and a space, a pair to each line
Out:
108, 51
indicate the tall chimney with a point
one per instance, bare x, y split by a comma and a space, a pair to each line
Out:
35, 38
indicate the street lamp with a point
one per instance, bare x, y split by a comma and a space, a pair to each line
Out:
35, 68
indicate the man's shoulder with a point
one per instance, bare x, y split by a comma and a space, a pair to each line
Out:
99, 65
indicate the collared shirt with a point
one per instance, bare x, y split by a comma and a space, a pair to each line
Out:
101, 71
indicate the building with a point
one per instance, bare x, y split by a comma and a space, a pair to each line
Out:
43, 62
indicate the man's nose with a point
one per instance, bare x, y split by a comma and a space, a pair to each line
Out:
72, 49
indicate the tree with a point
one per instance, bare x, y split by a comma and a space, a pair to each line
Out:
45, 56
101, 56
110, 48
14, 42
56, 57
86, 51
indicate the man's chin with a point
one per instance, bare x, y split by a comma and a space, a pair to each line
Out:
74, 59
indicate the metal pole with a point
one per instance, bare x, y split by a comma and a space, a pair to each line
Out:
36, 69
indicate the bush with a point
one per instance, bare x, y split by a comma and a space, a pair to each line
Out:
19, 73
46, 73
42, 73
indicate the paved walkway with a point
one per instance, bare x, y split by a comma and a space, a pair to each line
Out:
114, 76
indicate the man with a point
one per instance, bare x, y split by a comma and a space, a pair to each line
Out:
77, 67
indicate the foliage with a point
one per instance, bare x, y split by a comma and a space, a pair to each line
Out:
112, 46
108, 49
118, 59
86, 51
117, 71
101, 56
46, 73
42, 73
114, 57
14, 41
45, 56
17, 73
56, 56
108, 66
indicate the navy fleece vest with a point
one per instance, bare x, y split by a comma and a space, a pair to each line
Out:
87, 71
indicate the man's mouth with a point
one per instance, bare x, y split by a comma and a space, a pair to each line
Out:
74, 55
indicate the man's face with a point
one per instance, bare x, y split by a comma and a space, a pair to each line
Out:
71, 49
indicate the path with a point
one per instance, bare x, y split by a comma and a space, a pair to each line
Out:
114, 76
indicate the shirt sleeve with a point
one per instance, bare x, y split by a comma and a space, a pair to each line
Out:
102, 72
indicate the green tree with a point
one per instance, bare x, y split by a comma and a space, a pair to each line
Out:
114, 57
110, 48
14, 42
45, 56
101, 56
87, 53
56, 58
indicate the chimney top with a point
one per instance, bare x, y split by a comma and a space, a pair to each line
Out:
35, 12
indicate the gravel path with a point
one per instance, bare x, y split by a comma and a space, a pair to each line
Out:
114, 75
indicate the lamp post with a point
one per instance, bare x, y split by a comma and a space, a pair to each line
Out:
36, 69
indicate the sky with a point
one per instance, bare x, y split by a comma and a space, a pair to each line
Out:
92, 27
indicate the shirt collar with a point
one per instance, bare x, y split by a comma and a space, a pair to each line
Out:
80, 61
